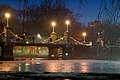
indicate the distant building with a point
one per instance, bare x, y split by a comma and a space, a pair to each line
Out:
94, 23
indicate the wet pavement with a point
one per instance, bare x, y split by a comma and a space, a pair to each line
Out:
82, 66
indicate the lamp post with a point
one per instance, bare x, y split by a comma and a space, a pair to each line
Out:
7, 32
7, 15
84, 35
53, 25
67, 22
8, 46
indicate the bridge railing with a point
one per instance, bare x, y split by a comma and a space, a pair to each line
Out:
30, 51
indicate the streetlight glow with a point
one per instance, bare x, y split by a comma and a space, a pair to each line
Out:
67, 22
84, 35
7, 15
53, 25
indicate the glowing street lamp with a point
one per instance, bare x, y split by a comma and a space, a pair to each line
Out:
98, 34
53, 25
67, 22
7, 15
84, 35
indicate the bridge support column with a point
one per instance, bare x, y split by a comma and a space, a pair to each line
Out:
7, 52
8, 46
67, 52
68, 48
53, 53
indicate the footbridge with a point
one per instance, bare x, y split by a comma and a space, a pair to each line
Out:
68, 45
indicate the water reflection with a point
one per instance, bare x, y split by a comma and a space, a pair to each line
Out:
27, 67
82, 66
7, 66
24, 67
51, 67
19, 67
84, 69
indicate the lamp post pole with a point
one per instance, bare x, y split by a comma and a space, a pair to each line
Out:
68, 49
84, 38
67, 27
7, 32
53, 29
8, 47
7, 21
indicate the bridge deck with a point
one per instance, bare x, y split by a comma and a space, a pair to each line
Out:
48, 45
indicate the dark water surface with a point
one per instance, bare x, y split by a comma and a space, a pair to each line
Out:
82, 66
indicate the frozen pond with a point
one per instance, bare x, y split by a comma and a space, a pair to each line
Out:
82, 66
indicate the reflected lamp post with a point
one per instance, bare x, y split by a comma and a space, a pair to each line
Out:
53, 25
84, 35
67, 22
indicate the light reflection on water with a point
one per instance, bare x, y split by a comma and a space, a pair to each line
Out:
56, 66
82, 66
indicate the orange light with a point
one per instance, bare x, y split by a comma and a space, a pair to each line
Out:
7, 15
53, 23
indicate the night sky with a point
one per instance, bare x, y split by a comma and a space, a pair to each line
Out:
89, 10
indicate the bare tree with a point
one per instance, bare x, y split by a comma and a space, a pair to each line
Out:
109, 13
109, 17
110, 10
42, 15
23, 15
